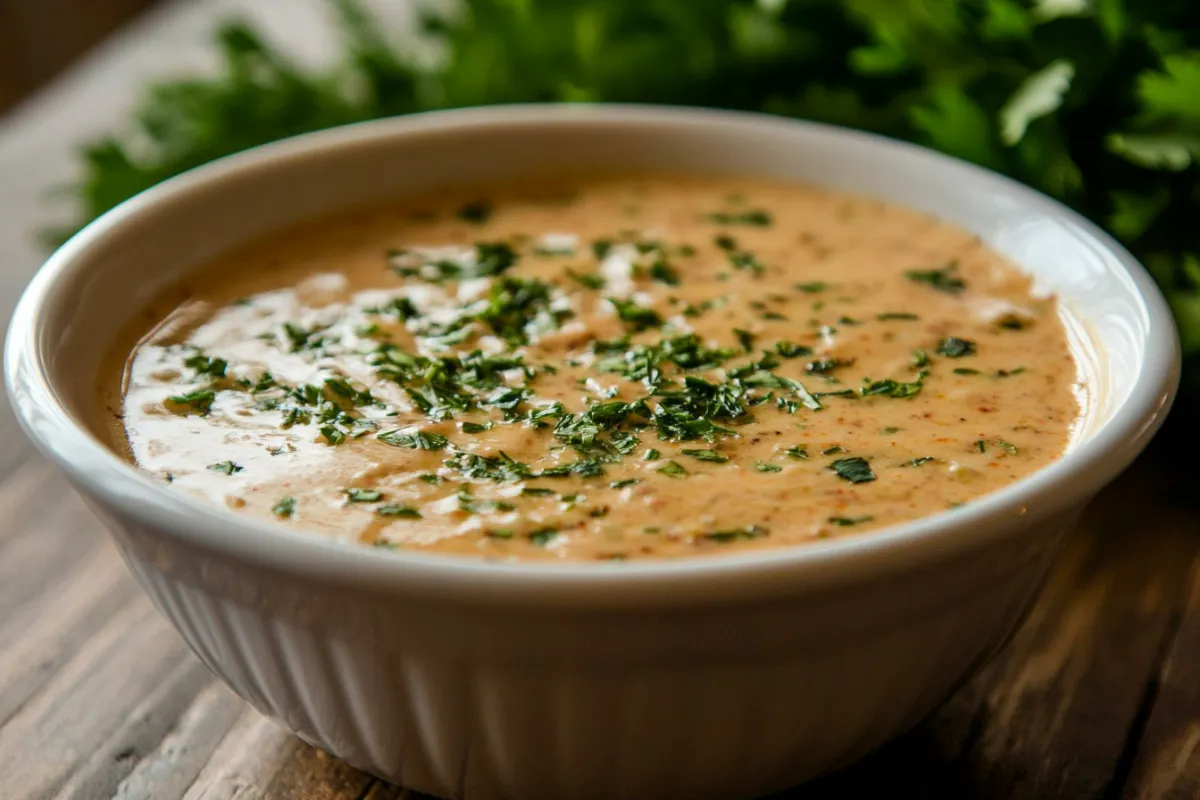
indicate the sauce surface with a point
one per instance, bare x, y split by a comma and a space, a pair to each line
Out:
615, 368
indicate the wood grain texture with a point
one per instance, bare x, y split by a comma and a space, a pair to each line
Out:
1096, 698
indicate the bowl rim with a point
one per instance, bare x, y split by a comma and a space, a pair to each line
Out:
96, 469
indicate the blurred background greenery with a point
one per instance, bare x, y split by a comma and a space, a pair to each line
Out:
1095, 102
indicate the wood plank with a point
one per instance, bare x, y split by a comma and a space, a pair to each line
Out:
1167, 763
168, 771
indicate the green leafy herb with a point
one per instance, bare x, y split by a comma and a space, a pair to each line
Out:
845, 522
790, 350
588, 280
285, 508
954, 347
192, 403
332, 435
398, 512
363, 495
542, 536
761, 466
798, 452
706, 455
415, 440
745, 339
635, 316
205, 365
672, 470
896, 315
734, 534
621, 484
855, 470
757, 218
983, 444
225, 467
812, 287
944, 279
919, 461
891, 388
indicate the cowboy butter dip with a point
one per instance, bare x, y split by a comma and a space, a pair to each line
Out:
616, 368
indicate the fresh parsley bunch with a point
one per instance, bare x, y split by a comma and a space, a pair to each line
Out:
1095, 102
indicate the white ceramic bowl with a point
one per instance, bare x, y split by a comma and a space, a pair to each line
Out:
718, 677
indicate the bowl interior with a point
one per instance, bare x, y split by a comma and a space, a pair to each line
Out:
107, 274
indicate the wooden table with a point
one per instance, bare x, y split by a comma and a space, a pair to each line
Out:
1096, 697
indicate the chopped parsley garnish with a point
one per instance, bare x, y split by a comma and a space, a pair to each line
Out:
833, 451
761, 466
651, 455
745, 339
891, 388
954, 347
1008, 373
473, 427
225, 467
848, 521
537, 491
797, 451
285, 508
944, 279
363, 495
635, 316
414, 440
896, 315
790, 350
193, 402
672, 470
920, 359
813, 287
756, 217
332, 435
588, 280
663, 272
919, 461
855, 469
621, 484
477, 212
734, 534
1012, 322
542, 536
706, 455
824, 366
965, 371
205, 365
983, 444
398, 512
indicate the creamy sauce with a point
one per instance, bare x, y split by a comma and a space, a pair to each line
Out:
612, 369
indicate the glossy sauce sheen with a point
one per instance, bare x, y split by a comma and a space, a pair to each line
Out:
861, 365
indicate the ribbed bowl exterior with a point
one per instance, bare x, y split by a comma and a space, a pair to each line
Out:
727, 701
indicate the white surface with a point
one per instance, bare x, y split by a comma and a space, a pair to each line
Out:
693, 678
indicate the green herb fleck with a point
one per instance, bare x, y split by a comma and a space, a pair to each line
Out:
896, 315
954, 347
193, 402
285, 508
756, 218
734, 534
798, 451
944, 279
845, 522
542, 536
919, 461
225, 467
363, 495
415, 440
402, 512
706, 455
672, 470
855, 470
764, 467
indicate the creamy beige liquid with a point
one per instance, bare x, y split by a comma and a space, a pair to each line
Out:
861, 365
